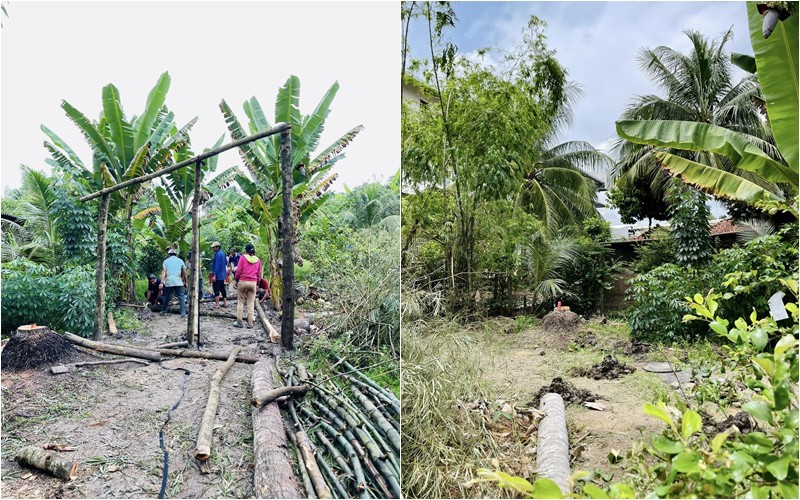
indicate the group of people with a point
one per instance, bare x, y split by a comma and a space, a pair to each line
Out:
248, 280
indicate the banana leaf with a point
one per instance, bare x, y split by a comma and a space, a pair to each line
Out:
714, 180
96, 141
693, 136
155, 100
777, 64
121, 131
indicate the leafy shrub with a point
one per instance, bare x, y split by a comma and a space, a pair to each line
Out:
751, 272
659, 250
689, 217
587, 277
150, 260
33, 293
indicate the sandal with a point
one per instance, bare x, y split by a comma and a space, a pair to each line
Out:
237, 324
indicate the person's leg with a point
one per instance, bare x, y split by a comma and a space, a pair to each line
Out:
167, 295
224, 290
182, 300
251, 294
217, 293
239, 303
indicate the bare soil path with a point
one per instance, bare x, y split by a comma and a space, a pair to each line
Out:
521, 363
112, 415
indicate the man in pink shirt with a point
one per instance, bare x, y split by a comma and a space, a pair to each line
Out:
248, 274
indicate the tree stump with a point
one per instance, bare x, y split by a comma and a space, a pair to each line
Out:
33, 346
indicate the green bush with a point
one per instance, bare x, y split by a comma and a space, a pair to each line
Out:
588, 277
751, 272
659, 250
63, 301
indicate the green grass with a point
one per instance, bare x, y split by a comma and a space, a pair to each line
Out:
140, 286
127, 319
647, 385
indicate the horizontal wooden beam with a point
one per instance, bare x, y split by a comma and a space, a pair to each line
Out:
280, 127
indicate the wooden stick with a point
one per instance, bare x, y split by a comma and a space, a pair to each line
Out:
274, 336
304, 445
273, 475
188, 353
112, 325
182, 343
262, 397
112, 348
111, 362
203, 450
38, 458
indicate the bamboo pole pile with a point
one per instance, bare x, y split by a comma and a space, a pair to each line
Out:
346, 434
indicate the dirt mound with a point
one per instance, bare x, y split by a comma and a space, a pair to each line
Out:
561, 321
609, 368
566, 390
146, 314
34, 349
585, 339
741, 420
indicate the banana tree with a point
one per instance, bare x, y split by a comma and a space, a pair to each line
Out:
260, 178
122, 148
772, 176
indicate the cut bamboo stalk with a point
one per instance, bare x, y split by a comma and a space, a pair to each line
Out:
552, 450
357, 470
378, 418
394, 405
320, 486
112, 348
273, 476
262, 397
203, 450
48, 461
388, 394
112, 325
330, 478
307, 485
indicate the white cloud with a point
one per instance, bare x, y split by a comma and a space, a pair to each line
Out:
231, 50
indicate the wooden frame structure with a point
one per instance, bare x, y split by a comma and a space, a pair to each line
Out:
287, 276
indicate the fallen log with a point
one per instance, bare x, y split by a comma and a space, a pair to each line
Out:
66, 368
274, 336
113, 348
203, 450
263, 397
36, 457
112, 325
552, 450
153, 354
273, 475
304, 445
212, 313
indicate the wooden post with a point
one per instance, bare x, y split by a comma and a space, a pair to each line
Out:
287, 318
100, 300
193, 329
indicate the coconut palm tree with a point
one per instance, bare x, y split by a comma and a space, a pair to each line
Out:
697, 87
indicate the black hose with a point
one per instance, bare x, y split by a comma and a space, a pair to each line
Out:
165, 470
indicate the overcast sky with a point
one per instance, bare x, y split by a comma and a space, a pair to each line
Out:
597, 42
212, 50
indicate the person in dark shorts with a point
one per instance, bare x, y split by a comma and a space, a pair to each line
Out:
154, 292
219, 268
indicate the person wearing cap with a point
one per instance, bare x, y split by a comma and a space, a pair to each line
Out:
219, 270
248, 274
154, 291
173, 280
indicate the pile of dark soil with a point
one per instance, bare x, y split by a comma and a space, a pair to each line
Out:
561, 321
609, 368
35, 349
741, 420
586, 339
146, 314
570, 393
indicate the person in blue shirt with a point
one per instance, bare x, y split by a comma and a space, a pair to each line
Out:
173, 279
219, 266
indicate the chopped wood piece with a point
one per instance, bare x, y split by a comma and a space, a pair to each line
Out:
274, 336
263, 397
203, 450
170, 345
112, 325
594, 406
38, 458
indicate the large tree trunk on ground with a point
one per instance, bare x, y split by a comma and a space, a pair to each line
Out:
100, 276
113, 349
552, 450
261, 398
49, 461
203, 450
273, 474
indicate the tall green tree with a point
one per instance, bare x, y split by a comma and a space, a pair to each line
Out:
695, 87
260, 178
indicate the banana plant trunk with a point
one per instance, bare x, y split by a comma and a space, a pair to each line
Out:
100, 300
287, 315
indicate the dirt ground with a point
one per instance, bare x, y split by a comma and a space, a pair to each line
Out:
113, 414
522, 363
